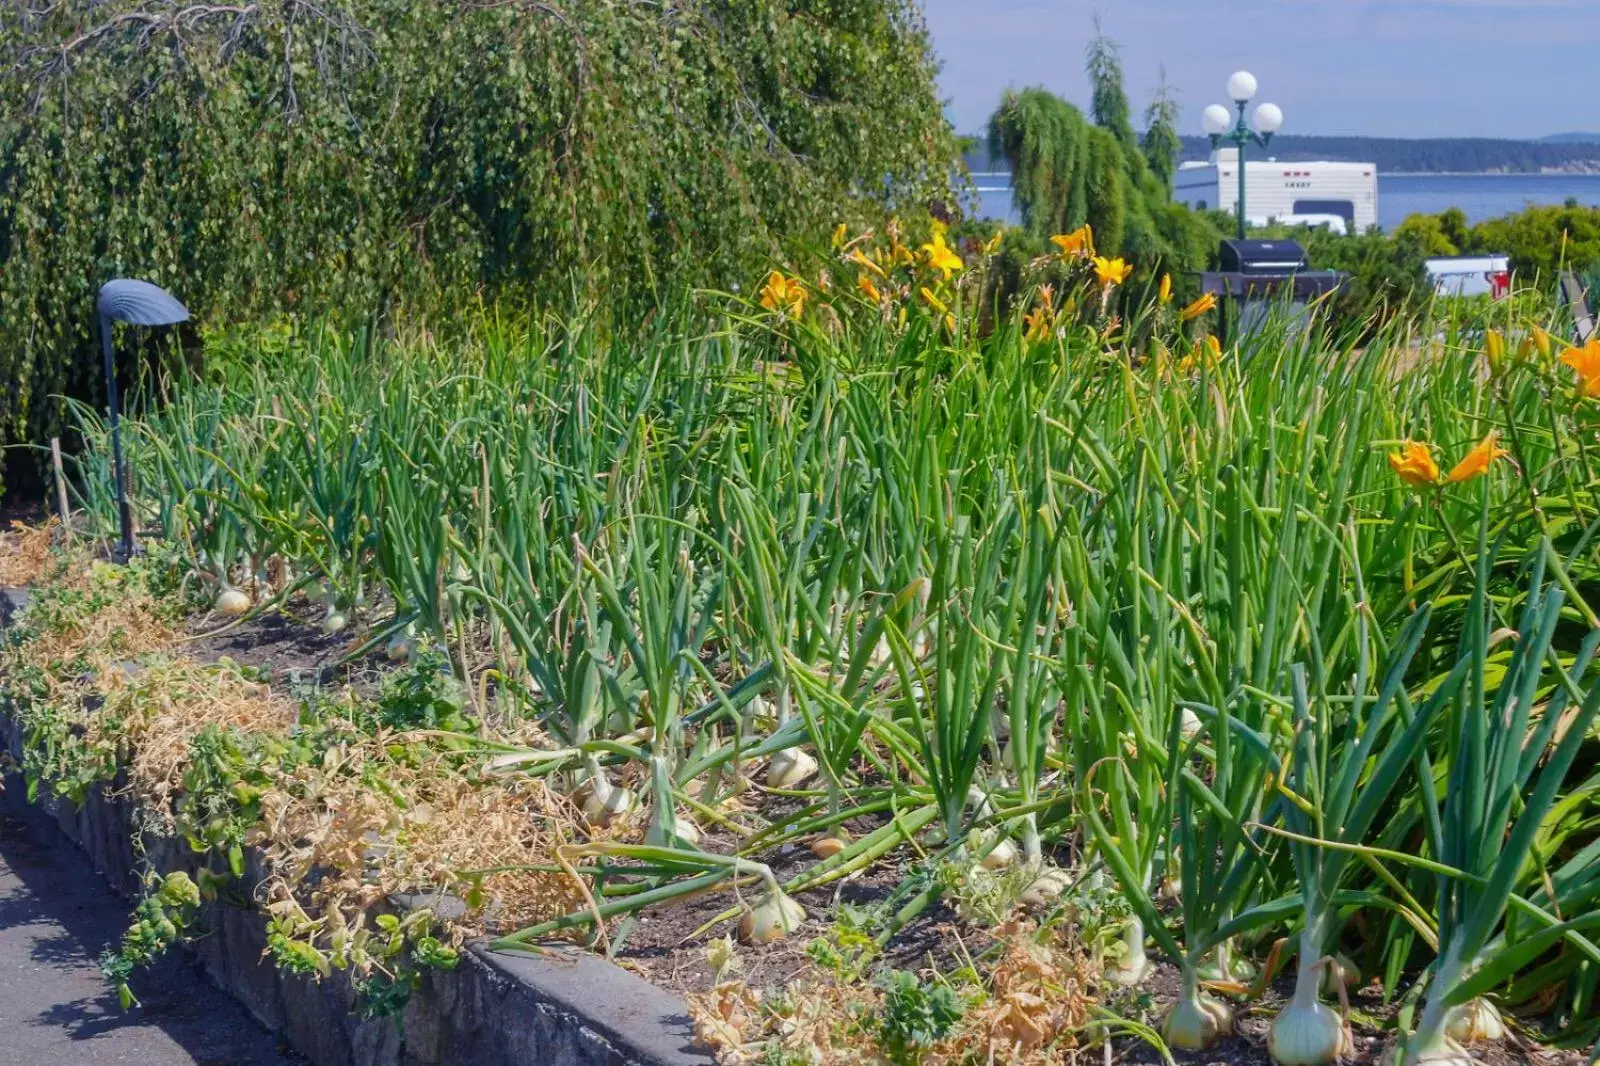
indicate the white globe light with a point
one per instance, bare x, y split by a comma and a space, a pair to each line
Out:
1242, 86
1216, 120
1269, 118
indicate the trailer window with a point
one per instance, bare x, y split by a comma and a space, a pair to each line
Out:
1343, 208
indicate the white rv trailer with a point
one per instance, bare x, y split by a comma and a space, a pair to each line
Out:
1279, 191
1470, 275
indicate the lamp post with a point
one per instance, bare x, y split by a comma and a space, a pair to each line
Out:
137, 303
1222, 126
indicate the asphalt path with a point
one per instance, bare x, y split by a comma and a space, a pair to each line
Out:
56, 916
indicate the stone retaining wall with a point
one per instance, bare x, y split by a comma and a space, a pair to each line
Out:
495, 1009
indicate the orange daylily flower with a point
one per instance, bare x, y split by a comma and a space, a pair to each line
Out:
1080, 242
1199, 307
868, 289
861, 259
1414, 464
1586, 361
940, 256
1112, 271
785, 295
1477, 460
1208, 350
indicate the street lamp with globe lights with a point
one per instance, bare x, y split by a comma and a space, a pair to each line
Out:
1222, 126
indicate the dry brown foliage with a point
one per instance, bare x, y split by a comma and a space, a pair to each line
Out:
366, 824
1033, 1005
25, 553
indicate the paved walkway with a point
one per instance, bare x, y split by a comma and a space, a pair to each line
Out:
56, 916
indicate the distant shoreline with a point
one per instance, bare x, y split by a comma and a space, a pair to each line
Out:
1489, 173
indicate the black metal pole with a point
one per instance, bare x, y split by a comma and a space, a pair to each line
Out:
124, 512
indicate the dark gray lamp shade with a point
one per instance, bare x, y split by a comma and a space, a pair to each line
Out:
140, 303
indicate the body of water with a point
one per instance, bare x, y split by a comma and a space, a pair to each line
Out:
1481, 196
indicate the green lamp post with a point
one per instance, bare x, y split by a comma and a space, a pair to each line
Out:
1224, 128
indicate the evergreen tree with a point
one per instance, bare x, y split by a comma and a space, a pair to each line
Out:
1110, 106
1162, 142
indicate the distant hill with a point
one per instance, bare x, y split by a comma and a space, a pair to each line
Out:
1571, 153
1463, 155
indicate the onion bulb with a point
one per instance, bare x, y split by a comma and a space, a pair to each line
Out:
1307, 1032
1475, 1021
773, 917
831, 844
1000, 856
789, 768
1131, 968
685, 830
233, 602
401, 647
1046, 888
333, 622
1339, 971
606, 803
1188, 724
1196, 1022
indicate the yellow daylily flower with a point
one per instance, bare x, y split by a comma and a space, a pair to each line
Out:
1586, 361
940, 256
934, 302
1112, 271
1080, 242
1198, 307
868, 289
1494, 349
1477, 460
839, 235
1541, 341
1164, 294
785, 295
1414, 464
992, 245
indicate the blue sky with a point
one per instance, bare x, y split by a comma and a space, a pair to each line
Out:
1387, 68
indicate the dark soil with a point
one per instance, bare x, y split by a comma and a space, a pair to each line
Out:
288, 647
662, 946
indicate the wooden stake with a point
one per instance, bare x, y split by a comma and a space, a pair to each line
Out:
62, 503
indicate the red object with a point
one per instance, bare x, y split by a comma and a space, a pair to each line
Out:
1499, 284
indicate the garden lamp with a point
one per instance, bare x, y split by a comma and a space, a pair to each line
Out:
137, 303
1221, 126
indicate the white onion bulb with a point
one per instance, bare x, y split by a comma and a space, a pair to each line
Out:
773, 917
1046, 888
1340, 971
1475, 1021
233, 602
1000, 856
333, 623
1307, 1034
789, 768
606, 803
1195, 1023
685, 830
